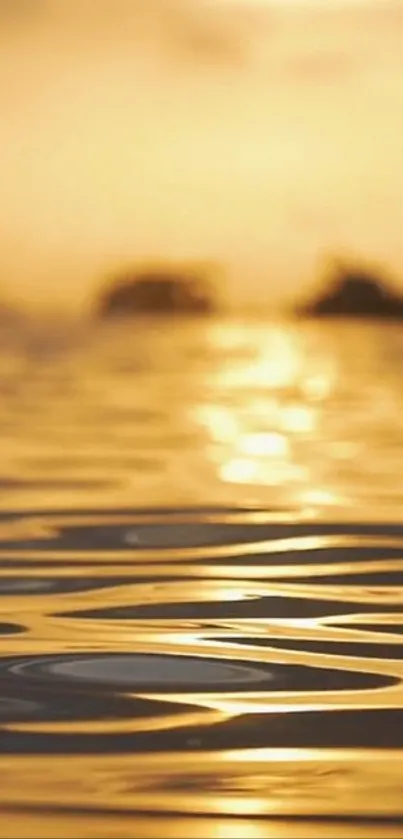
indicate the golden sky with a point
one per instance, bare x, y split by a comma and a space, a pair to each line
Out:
255, 132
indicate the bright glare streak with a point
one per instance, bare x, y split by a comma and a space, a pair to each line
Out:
264, 445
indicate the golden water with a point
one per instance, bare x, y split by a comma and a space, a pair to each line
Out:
201, 566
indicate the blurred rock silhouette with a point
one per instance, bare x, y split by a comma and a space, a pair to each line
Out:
157, 292
355, 293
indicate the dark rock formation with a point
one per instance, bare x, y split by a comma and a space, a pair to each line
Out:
355, 293
162, 292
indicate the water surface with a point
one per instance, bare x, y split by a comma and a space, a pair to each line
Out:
201, 568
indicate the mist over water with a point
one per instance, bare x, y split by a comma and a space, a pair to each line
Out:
201, 565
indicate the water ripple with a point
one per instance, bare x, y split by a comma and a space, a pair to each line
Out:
246, 643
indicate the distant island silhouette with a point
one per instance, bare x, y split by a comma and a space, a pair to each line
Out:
157, 292
355, 293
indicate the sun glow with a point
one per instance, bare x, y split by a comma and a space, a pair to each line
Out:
263, 417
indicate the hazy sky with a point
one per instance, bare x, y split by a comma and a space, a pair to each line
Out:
255, 132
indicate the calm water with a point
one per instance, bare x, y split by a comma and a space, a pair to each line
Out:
201, 569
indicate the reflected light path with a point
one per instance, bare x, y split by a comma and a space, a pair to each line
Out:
266, 410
